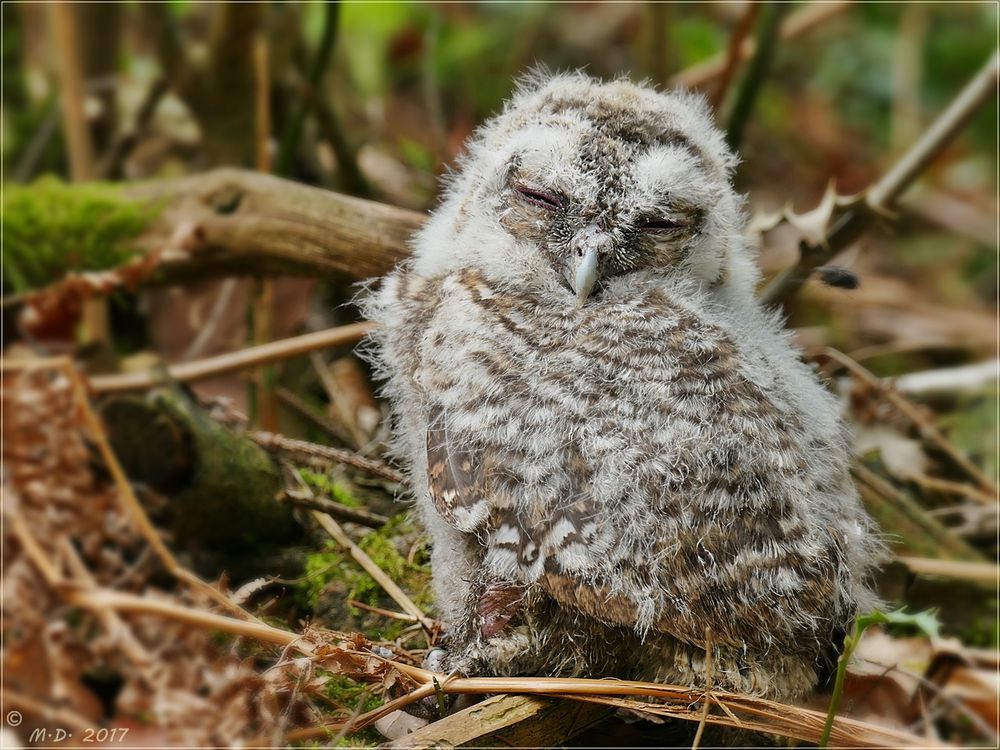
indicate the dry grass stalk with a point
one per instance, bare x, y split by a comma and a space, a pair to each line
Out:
379, 611
232, 361
936, 484
927, 430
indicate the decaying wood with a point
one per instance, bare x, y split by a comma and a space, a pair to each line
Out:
237, 222
223, 487
507, 721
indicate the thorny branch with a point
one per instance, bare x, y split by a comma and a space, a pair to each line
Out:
881, 197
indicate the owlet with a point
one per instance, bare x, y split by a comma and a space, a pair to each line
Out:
617, 452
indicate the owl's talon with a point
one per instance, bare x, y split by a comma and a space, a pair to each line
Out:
435, 659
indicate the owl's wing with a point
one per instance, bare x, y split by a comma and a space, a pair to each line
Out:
455, 478
559, 551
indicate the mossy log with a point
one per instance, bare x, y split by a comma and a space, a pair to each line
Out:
222, 222
222, 487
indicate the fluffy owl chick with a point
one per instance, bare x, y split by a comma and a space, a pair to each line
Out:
617, 452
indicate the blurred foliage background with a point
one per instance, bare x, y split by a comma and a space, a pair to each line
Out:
376, 99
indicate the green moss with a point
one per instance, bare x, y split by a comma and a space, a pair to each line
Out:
353, 697
335, 490
346, 693
332, 571
50, 228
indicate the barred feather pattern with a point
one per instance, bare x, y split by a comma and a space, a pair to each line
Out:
614, 488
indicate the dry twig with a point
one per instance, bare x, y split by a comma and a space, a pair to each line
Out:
336, 510
280, 444
927, 430
231, 361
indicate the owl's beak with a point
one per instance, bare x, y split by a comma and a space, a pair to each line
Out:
585, 275
588, 246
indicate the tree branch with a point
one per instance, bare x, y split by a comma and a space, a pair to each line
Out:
815, 14
756, 74
236, 222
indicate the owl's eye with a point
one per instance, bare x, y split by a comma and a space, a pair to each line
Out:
539, 198
663, 224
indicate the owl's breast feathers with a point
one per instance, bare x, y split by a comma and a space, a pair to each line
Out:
618, 456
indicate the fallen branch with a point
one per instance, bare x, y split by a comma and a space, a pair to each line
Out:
507, 720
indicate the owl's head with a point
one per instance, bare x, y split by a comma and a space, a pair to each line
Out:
580, 189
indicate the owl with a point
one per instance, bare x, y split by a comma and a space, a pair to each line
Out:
620, 459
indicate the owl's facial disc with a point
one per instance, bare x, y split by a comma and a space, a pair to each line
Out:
595, 222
